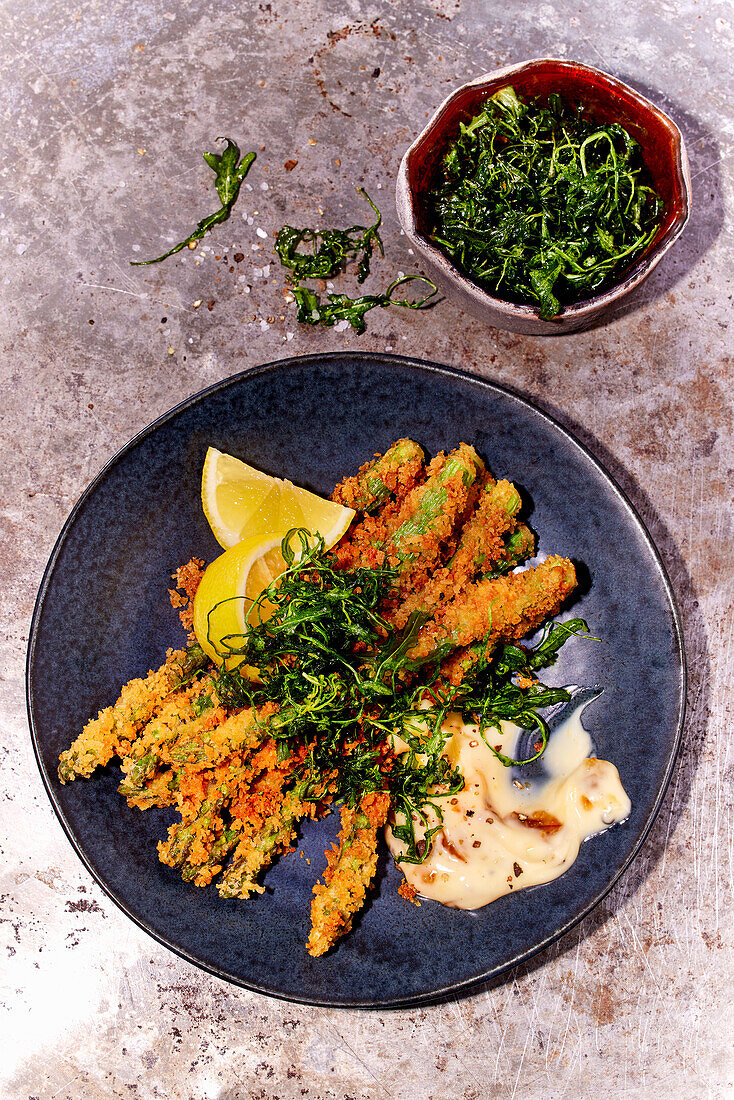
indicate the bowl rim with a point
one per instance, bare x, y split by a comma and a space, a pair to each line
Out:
584, 307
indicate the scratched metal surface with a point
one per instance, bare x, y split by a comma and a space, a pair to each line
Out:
106, 106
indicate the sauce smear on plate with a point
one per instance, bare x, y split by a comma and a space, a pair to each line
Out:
502, 833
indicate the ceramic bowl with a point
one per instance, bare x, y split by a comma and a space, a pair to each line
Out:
607, 100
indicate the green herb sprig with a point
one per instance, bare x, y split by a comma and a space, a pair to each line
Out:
331, 249
230, 171
342, 681
340, 307
539, 204
506, 689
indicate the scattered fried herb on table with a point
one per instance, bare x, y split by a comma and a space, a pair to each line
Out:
230, 171
341, 678
539, 204
340, 307
331, 249
328, 252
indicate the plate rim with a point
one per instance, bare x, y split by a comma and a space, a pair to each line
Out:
421, 365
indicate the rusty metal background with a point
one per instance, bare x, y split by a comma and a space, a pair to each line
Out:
106, 107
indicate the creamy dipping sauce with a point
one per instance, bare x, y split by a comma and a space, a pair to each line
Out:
501, 833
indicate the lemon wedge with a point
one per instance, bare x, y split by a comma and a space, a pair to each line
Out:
241, 502
224, 604
250, 513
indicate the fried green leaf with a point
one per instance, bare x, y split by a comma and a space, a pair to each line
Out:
229, 171
340, 307
331, 249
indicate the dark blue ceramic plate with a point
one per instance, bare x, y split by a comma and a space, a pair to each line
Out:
103, 616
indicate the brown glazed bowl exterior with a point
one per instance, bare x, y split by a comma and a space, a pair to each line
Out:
607, 100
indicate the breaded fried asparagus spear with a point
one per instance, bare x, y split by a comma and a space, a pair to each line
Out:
201, 874
192, 709
198, 749
212, 773
186, 743
390, 479
376, 480
348, 876
433, 512
519, 545
433, 508
482, 547
195, 842
456, 667
181, 836
258, 846
498, 609
114, 728
249, 788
